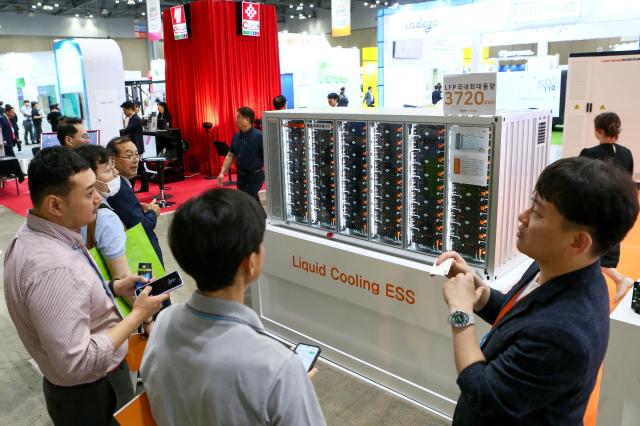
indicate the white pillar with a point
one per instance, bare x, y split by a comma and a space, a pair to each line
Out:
476, 53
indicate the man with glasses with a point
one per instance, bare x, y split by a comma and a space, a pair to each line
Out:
71, 132
125, 157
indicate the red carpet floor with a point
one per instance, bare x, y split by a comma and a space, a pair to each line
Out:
179, 193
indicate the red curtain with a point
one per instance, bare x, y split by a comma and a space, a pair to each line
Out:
214, 72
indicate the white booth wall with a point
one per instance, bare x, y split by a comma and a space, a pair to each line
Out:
445, 30
319, 69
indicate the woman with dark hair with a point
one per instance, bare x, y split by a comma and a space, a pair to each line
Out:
164, 114
607, 128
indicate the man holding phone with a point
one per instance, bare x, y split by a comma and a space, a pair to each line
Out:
64, 312
209, 361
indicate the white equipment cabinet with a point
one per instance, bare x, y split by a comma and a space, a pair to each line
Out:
361, 203
602, 82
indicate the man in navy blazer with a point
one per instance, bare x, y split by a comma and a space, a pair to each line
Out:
538, 364
134, 130
124, 202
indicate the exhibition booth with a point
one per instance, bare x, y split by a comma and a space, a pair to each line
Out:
420, 43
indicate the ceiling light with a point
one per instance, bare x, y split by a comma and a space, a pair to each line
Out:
311, 5
290, 6
309, 16
143, 13
291, 16
90, 16
77, 15
131, 2
39, 4
139, 1
56, 5
33, 6
117, 1
366, 3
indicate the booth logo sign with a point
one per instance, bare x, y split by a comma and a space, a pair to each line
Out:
250, 19
179, 21
425, 25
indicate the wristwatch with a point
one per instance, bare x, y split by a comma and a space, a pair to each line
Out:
459, 318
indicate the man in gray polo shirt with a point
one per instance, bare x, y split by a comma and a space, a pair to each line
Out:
208, 361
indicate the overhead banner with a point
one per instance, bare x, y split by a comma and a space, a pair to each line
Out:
250, 19
179, 22
154, 20
467, 94
340, 18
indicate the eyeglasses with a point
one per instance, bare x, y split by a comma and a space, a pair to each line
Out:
85, 136
129, 157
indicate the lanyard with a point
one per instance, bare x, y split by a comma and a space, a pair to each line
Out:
217, 317
506, 308
86, 259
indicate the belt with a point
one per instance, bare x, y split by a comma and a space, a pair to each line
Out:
242, 172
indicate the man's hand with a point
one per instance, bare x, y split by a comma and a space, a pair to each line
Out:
313, 372
461, 292
152, 206
220, 179
459, 265
146, 306
127, 285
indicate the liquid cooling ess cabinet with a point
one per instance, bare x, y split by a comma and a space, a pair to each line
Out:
359, 204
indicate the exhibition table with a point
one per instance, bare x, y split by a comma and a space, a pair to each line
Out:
620, 388
379, 316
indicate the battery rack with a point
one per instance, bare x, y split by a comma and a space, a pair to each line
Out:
387, 182
354, 190
295, 158
323, 173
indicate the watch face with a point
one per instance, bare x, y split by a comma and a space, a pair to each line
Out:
459, 318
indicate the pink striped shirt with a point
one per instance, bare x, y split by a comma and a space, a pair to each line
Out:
59, 305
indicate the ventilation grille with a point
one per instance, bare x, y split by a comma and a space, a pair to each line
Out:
542, 131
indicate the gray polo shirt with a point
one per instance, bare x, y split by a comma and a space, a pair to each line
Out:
206, 363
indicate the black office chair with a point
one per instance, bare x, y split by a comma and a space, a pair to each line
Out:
222, 149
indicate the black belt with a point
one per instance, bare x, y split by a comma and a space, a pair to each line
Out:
242, 172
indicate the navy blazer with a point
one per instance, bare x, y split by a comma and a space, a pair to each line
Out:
543, 357
131, 213
134, 132
7, 135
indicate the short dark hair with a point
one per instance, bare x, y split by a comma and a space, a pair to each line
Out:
50, 172
33, 104
609, 123
128, 105
112, 146
333, 95
25, 101
216, 232
279, 102
67, 127
94, 154
247, 112
593, 194
8, 107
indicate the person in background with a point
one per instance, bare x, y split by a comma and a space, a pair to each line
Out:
209, 361
27, 122
540, 360
247, 149
124, 154
71, 132
1, 107
9, 136
369, 99
607, 128
280, 102
165, 115
332, 99
54, 117
14, 123
343, 101
36, 117
133, 131
436, 95
62, 309
107, 231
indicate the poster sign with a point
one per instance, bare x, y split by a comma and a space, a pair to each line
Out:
154, 19
140, 30
470, 94
469, 147
340, 18
250, 19
179, 22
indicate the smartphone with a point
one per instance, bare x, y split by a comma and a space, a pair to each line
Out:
166, 284
308, 354
144, 270
635, 297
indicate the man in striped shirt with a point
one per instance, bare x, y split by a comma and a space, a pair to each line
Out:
61, 307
